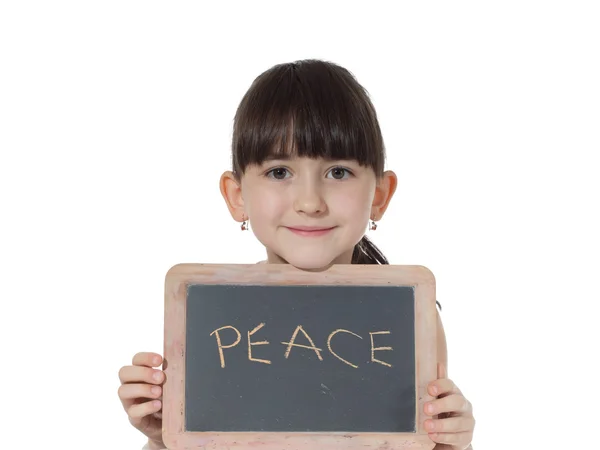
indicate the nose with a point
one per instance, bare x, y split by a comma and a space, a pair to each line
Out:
309, 199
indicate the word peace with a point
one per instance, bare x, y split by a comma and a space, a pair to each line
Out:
292, 343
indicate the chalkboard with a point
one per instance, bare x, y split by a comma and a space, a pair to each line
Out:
270, 356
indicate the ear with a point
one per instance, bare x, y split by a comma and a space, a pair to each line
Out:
384, 191
231, 190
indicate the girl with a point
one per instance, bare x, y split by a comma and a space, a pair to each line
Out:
308, 173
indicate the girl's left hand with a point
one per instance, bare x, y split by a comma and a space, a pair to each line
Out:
453, 428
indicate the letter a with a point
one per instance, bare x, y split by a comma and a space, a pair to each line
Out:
291, 343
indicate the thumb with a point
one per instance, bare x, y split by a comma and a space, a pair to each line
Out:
442, 371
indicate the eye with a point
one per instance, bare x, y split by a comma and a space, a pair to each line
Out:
278, 173
339, 172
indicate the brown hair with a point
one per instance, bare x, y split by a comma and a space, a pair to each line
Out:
315, 109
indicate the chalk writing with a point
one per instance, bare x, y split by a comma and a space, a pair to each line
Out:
292, 343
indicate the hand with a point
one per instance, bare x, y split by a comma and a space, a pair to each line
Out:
141, 394
453, 428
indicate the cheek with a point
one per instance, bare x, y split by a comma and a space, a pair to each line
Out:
353, 204
264, 206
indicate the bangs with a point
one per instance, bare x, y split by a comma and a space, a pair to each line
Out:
311, 109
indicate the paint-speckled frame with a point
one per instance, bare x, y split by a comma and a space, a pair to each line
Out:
180, 276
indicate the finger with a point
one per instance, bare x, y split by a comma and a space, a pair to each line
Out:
137, 374
443, 387
141, 410
158, 415
460, 440
131, 393
147, 359
450, 425
442, 370
454, 403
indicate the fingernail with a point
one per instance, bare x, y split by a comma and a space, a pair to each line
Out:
434, 390
157, 376
156, 403
156, 361
430, 426
155, 390
430, 408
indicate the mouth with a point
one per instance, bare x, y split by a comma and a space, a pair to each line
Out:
310, 231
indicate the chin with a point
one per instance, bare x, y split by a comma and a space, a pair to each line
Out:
310, 261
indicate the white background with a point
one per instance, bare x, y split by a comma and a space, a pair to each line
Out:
115, 125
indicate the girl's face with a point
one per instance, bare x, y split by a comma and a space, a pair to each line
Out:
308, 212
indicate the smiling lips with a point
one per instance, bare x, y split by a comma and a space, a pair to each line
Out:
310, 231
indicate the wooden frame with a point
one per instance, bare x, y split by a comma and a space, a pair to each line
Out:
180, 276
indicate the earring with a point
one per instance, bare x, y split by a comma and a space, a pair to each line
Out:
373, 225
244, 224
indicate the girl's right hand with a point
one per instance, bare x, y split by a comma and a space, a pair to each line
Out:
141, 394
